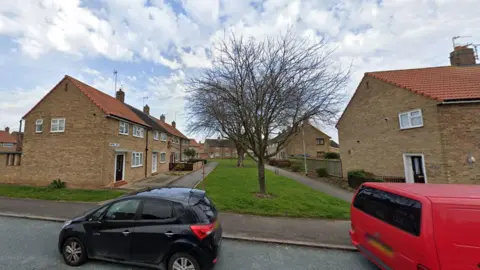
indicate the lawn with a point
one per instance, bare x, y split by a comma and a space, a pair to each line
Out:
233, 189
61, 194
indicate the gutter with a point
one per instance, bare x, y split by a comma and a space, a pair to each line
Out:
460, 102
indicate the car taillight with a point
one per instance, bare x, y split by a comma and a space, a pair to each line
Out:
202, 231
421, 267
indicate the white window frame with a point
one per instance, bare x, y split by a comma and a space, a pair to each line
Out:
57, 125
165, 155
125, 125
217, 154
39, 123
163, 137
140, 159
175, 139
136, 130
8, 145
410, 119
407, 166
156, 135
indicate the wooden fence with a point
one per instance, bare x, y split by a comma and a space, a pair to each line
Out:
333, 166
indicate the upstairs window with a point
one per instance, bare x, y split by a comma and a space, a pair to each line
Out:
57, 125
411, 119
163, 137
175, 140
320, 141
123, 129
138, 131
39, 126
155, 135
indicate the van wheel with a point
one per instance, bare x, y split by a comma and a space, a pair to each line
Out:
183, 261
74, 252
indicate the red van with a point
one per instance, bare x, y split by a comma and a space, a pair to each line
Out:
417, 226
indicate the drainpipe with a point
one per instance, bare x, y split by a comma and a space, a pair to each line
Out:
180, 155
146, 154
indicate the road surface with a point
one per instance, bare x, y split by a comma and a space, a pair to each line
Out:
32, 244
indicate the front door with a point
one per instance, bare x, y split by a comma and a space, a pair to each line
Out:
119, 164
417, 168
154, 162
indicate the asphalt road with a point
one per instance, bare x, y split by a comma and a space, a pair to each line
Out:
32, 244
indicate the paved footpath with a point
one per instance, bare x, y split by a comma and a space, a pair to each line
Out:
312, 232
320, 186
32, 244
192, 179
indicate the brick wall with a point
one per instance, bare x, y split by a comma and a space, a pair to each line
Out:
461, 138
370, 135
295, 145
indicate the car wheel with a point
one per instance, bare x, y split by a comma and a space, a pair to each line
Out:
74, 252
183, 261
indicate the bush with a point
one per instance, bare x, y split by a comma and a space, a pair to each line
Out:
179, 167
57, 183
357, 177
281, 163
331, 155
295, 167
322, 172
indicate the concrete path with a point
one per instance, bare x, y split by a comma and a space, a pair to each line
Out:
310, 232
320, 186
192, 179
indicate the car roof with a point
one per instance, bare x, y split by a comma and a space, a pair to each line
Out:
431, 190
177, 194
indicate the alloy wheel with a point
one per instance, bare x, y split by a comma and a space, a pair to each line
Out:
73, 252
183, 263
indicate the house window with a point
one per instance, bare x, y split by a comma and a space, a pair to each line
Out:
137, 159
163, 157
123, 129
320, 141
217, 154
8, 145
320, 153
57, 125
227, 154
163, 137
175, 140
411, 119
177, 156
155, 135
39, 126
138, 131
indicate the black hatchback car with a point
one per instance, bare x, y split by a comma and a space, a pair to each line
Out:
167, 228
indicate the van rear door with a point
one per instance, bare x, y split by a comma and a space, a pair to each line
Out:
387, 228
456, 229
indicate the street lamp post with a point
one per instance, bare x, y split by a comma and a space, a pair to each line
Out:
304, 149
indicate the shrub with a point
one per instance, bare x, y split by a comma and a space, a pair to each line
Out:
57, 183
273, 162
179, 167
331, 155
295, 167
357, 177
322, 172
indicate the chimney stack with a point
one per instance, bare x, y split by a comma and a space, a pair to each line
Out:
120, 95
7, 129
146, 109
462, 56
174, 124
162, 118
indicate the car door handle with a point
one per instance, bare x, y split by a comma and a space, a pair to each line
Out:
126, 233
169, 234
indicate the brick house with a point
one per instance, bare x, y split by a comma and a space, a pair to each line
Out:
220, 148
8, 142
317, 143
87, 138
422, 125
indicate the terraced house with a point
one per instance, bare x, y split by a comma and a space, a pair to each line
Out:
87, 138
422, 125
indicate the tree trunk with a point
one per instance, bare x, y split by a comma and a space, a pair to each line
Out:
261, 175
241, 155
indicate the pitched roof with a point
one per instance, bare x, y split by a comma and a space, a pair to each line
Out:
193, 142
220, 143
334, 144
6, 137
108, 104
439, 83
170, 129
150, 120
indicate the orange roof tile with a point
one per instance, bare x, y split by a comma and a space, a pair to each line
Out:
440, 83
106, 103
6, 137
170, 129
194, 143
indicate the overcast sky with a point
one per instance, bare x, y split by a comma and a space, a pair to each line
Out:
155, 44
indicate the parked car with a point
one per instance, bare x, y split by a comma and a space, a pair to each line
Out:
167, 228
417, 226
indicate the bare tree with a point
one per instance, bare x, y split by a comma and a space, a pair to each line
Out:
255, 89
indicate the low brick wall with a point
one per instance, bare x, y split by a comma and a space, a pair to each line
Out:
10, 168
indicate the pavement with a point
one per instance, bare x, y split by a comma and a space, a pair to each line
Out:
32, 244
301, 232
317, 185
192, 179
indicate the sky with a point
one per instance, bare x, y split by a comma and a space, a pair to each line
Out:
156, 44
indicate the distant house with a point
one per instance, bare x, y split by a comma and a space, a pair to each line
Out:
317, 143
421, 124
8, 142
198, 147
220, 148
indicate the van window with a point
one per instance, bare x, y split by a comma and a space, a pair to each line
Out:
398, 211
